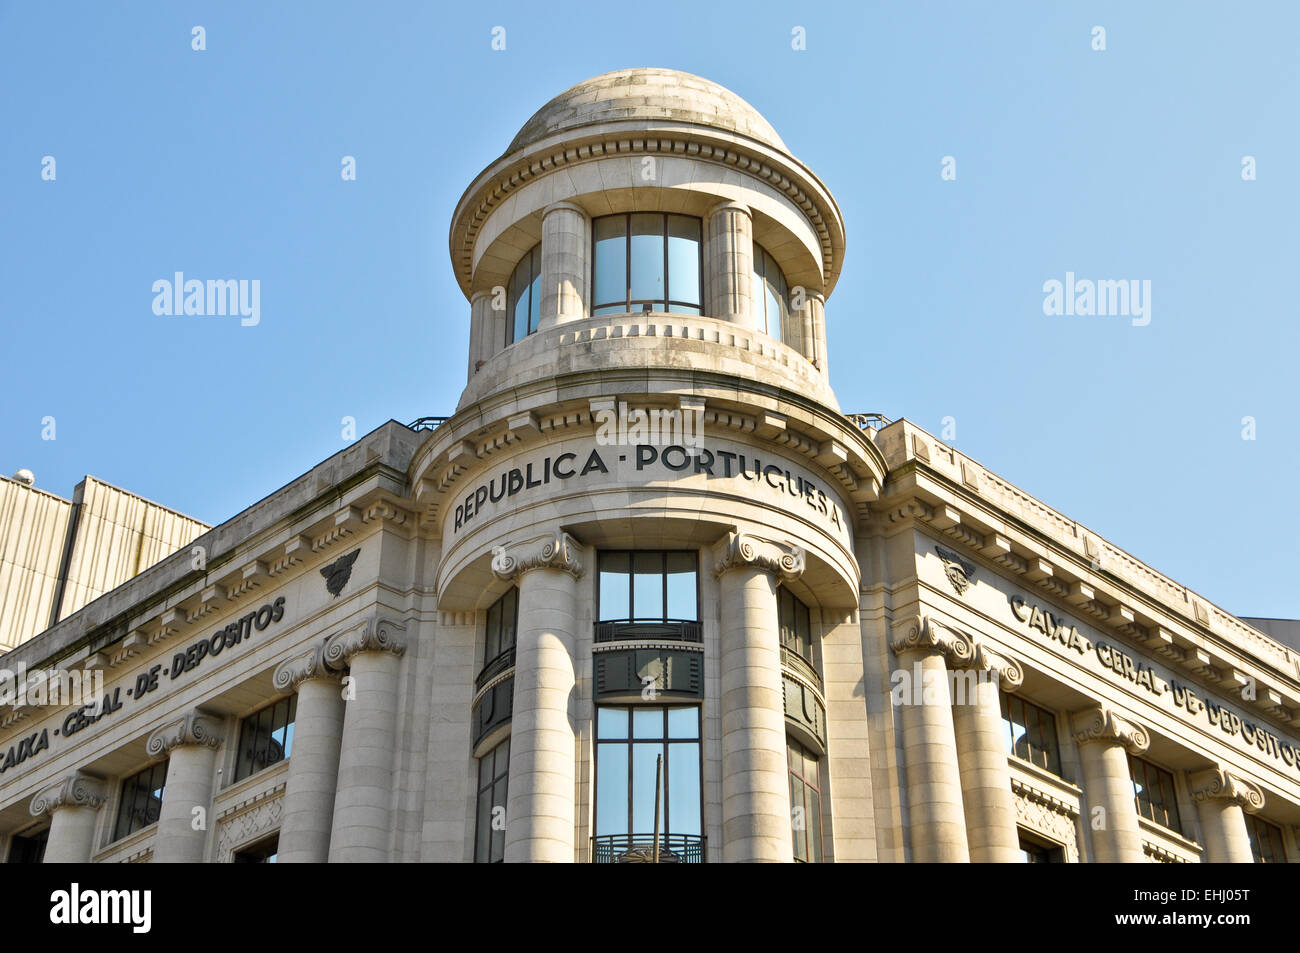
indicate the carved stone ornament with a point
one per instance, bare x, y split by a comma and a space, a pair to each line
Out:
958, 570
194, 728
962, 650
559, 551
1217, 784
1101, 723
75, 790
339, 572
375, 634
741, 550
292, 672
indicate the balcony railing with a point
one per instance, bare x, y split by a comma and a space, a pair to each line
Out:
639, 849
494, 668
870, 421
800, 666
427, 423
673, 630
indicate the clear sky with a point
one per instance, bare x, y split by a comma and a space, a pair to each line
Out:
1122, 163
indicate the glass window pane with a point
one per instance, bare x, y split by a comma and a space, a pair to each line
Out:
757, 295
286, 740
681, 587
815, 825
648, 586
535, 291
611, 723
647, 722
643, 785
519, 306
610, 236
483, 839
684, 259
684, 722
773, 311
683, 771
646, 280
611, 788
798, 819
509, 617
615, 594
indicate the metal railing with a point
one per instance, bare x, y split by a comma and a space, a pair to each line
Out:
870, 421
800, 666
427, 423
494, 668
639, 849
673, 630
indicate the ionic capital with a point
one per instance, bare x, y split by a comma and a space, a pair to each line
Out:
75, 790
925, 636
1100, 724
376, 634
743, 551
292, 672
981, 658
1217, 784
195, 727
559, 551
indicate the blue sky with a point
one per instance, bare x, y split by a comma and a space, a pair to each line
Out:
1117, 164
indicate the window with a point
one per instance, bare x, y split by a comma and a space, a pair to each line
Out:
28, 849
796, 632
266, 737
493, 777
1153, 789
1265, 841
1035, 851
769, 294
648, 586
502, 622
141, 802
524, 302
263, 852
646, 261
805, 803
1031, 733
629, 740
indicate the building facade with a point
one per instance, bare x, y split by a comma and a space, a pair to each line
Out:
649, 594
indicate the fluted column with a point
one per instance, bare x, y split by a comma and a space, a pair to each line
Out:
729, 258
540, 818
989, 810
1223, 799
937, 821
72, 804
481, 326
817, 312
312, 781
756, 822
190, 746
1105, 741
362, 824
565, 241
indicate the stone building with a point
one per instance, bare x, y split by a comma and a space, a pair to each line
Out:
649, 593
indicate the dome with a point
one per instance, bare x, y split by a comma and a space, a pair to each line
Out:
647, 94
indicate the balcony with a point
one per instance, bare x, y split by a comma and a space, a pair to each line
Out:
672, 630
492, 669
493, 709
796, 663
639, 849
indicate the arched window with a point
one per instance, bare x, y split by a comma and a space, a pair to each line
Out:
646, 261
525, 296
770, 294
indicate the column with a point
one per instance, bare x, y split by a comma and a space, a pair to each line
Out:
729, 260
989, 809
312, 782
565, 240
190, 746
362, 824
937, 820
756, 822
1222, 801
540, 819
817, 311
72, 804
481, 327
1105, 741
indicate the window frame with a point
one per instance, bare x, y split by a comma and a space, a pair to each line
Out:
812, 847
251, 722
129, 793
511, 594
762, 255
1257, 826
631, 617
1051, 764
628, 742
498, 777
533, 254
1168, 804
784, 595
629, 304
